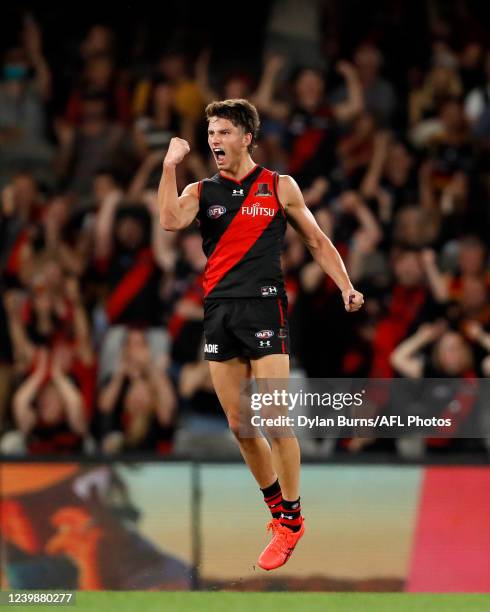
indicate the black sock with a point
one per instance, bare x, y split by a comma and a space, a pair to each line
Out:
291, 514
273, 499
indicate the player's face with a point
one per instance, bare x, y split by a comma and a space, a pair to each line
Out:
227, 142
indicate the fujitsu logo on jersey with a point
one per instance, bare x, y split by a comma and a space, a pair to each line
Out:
256, 210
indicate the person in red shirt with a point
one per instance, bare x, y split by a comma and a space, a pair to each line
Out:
48, 409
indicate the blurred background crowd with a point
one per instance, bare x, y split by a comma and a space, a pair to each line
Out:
383, 120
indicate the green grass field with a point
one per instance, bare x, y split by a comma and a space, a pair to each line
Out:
270, 602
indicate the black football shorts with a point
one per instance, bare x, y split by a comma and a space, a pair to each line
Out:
246, 327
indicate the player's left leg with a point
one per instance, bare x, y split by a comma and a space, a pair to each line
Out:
285, 450
286, 461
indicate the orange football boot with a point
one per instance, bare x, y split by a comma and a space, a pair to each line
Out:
281, 547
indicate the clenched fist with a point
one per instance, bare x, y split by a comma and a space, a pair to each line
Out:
177, 150
353, 300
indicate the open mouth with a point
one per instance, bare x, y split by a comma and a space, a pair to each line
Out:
219, 154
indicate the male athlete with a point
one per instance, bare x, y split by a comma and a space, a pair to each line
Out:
242, 212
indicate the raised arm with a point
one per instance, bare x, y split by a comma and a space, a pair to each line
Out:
109, 394
163, 243
22, 345
476, 333
406, 358
264, 97
24, 414
164, 394
176, 212
319, 245
365, 238
350, 108
437, 281
81, 323
104, 224
33, 46
71, 396
140, 180
202, 77
371, 181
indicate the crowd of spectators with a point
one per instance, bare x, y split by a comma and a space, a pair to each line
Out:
101, 309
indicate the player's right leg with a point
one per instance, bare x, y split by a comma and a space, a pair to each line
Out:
227, 376
228, 369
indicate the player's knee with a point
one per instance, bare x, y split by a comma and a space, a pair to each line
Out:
244, 435
234, 425
283, 440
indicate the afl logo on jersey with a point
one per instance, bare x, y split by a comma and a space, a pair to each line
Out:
264, 333
216, 211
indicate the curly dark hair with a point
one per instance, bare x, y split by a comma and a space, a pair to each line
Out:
241, 113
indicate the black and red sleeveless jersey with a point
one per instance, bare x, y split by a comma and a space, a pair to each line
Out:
242, 226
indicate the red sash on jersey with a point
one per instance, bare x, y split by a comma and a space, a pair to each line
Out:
304, 148
193, 294
130, 284
13, 263
242, 233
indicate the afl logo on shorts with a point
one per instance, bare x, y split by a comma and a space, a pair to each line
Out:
264, 333
216, 211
